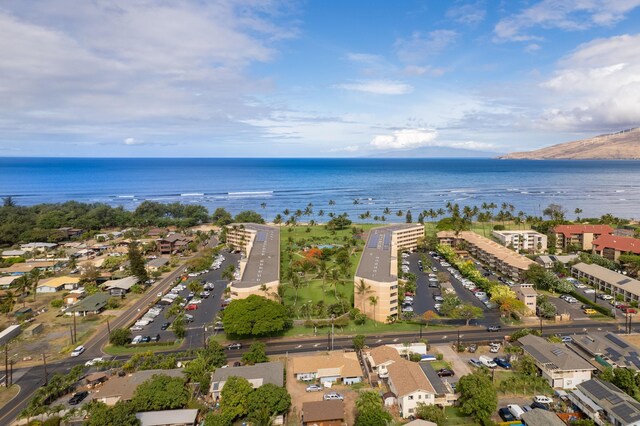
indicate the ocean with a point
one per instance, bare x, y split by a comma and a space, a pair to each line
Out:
270, 186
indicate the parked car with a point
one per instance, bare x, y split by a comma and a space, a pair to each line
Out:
78, 397
445, 372
487, 362
146, 339
191, 307
494, 328
628, 310
506, 415
231, 346
589, 290
314, 388
93, 361
590, 311
136, 340
475, 362
543, 399
502, 362
566, 339
605, 296
165, 325
155, 338
438, 298
516, 411
78, 351
332, 396
472, 348
540, 405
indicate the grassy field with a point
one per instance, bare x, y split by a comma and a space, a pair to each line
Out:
456, 418
120, 350
369, 327
6, 395
483, 229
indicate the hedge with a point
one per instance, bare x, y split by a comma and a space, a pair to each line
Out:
601, 309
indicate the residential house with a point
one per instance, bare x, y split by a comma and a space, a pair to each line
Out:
156, 232
380, 358
92, 305
323, 413
420, 422
527, 295
12, 253
408, 382
122, 388
377, 273
607, 349
606, 404
526, 240
560, 366
157, 264
607, 280
7, 282
52, 285
332, 367
492, 254
549, 261
185, 417
38, 246
612, 246
540, 417
69, 232
173, 243
579, 237
9, 333
257, 375
120, 287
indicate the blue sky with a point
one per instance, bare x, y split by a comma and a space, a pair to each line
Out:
316, 78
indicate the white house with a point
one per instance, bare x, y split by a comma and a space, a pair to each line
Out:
333, 367
410, 385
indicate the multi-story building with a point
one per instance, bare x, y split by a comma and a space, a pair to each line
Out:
607, 280
548, 262
606, 404
492, 254
260, 264
612, 246
527, 295
561, 367
376, 278
173, 243
527, 241
579, 236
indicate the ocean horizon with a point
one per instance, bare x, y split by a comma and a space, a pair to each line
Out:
271, 185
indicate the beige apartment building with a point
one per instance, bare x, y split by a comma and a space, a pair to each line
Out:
527, 295
580, 236
260, 263
492, 254
527, 241
377, 273
607, 280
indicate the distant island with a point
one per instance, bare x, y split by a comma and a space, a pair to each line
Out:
623, 145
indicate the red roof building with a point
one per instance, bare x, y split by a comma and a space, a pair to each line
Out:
579, 236
612, 246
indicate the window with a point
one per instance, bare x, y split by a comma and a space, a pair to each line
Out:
410, 397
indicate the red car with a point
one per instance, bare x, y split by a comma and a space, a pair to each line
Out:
628, 310
191, 307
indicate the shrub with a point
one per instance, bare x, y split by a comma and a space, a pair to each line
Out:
57, 303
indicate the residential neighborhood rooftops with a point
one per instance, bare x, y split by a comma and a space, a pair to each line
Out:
319, 411
59, 281
408, 377
124, 387
540, 417
92, 303
168, 417
564, 259
263, 260
609, 348
622, 244
434, 379
381, 354
257, 375
123, 283
7, 281
611, 277
158, 262
375, 263
554, 356
568, 230
613, 400
346, 362
13, 253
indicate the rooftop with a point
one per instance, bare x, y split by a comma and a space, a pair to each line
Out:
59, 281
346, 362
517, 232
157, 263
553, 258
123, 283
384, 353
540, 417
167, 417
612, 399
322, 410
375, 263
95, 302
553, 356
610, 347
623, 244
263, 261
124, 387
408, 377
434, 379
610, 277
258, 374
499, 251
568, 230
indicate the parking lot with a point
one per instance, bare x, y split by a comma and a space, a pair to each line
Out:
202, 316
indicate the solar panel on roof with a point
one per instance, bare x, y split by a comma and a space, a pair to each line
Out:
557, 352
596, 389
613, 354
626, 411
625, 281
615, 339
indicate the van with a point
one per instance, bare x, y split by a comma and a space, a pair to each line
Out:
516, 410
487, 361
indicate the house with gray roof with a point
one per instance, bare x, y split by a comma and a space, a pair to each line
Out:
607, 349
257, 375
93, 304
559, 365
540, 417
120, 287
168, 418
606, 404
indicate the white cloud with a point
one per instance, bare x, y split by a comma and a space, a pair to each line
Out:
133, 141
420, 47
415, 70
468, 14
378, 87
404, 139
348, 148
569, 15
532, 47
597, 86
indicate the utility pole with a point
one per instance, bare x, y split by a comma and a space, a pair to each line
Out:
540, 324
458, 347
108, 326
332, 316
46, 375
11, 372
75, 330
421, 330
6, 365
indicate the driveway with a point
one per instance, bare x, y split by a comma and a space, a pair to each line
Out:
460, 366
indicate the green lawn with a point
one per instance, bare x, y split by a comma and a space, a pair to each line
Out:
437, 365
369, 327
483, 229
456, 418
120, 350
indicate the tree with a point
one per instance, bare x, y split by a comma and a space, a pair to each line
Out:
478, 397
429, 316
255, 355
136, 262
339, 222
554, 212
373, 301
370, 410
218, 419
431, 413
362, 288
207, 360
270, 398
235, 396
359, 342
248, 216
526, 366
178, 326
256, 316
221, 217
120, 336
160, 393
34, 279
121, 414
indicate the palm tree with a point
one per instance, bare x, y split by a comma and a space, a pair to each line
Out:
296, 283
286, 212
386, 211
399, 213
362, 288
373, 301
278, 219
320, 213
35, 276
578, 211
263, 205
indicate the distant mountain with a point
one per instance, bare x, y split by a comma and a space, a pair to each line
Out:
434, 152
624, 145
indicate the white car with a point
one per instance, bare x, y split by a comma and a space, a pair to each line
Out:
94, 361
408, 299
542, 399
606, 297
78, 351
195, 301
589, 290
487, 362
407, 309
136, 340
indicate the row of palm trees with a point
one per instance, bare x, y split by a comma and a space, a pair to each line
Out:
26, 283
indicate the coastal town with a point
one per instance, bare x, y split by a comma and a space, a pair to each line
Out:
467, 319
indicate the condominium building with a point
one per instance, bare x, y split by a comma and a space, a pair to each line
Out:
527, 295
527, 241
260, 264
612, 246
579, 236
607, 280
376, 278
492, 254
